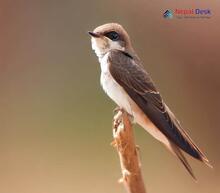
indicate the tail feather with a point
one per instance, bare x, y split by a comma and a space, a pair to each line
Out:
187, 143
180, 155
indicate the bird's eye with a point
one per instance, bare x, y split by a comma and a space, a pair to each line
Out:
114, 36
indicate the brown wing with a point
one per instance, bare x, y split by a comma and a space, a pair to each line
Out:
139, 86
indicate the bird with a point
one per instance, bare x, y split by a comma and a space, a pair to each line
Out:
125, 80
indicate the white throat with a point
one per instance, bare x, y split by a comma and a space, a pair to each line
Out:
102, 47
100, 52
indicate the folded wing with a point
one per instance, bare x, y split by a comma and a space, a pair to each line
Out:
139, 86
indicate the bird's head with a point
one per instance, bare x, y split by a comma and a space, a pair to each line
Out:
108, 37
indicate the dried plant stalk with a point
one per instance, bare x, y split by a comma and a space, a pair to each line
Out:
128, 153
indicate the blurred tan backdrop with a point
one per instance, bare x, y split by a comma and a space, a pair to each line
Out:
55, 121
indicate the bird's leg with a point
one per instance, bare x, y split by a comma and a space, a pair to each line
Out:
117, 117
117, 120
116, 109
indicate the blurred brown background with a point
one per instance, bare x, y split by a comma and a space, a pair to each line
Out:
55, 120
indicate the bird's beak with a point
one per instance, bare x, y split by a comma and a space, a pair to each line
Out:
93, 34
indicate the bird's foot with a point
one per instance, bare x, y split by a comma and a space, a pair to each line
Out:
117, 109
117, 118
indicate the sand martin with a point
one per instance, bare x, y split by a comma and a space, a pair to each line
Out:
126, 82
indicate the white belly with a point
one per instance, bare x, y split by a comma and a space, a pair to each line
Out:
112, 88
